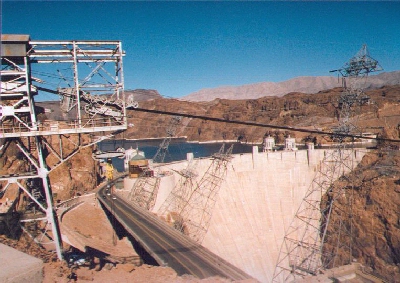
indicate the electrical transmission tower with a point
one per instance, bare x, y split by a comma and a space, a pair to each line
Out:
320, 235
87, 76
177, 199
192, 203
171, 132
145, 189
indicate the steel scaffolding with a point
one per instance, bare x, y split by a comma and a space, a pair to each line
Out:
92, 102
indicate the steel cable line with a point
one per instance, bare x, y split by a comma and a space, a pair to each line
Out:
288, 128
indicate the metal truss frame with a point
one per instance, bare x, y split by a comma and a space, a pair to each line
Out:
304, 250
178, 197
194, 202
320, 235
93, 87
92, 93
145, 189
171, 132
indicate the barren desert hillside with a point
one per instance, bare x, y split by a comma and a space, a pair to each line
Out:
311, 111
299, 84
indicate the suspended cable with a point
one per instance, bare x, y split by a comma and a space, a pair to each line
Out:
288, 128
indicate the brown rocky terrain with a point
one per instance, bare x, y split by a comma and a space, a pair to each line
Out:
77, 175
309, 111
142, 94
373, 216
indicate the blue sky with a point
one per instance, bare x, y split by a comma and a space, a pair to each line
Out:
181, 47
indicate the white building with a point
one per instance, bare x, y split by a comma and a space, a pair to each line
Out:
129, 153
269, 144
290, 143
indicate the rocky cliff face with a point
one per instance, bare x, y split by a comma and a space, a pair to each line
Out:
76, 175
373, 216
312, 111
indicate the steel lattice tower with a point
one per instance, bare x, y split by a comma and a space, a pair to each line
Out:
145, 189
309, 246
177, 199
88, 78
171, 132
194, 203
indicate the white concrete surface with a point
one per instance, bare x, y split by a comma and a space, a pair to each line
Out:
18, 267
256, 203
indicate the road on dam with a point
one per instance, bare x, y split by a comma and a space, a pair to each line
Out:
166, 245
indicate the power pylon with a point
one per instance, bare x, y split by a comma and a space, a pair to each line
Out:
194, 203
145, 189
171, 132
309, 247
177, 199
87, 72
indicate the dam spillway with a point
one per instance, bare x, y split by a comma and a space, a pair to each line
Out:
256, 203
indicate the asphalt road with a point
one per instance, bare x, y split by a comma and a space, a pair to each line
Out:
166, 245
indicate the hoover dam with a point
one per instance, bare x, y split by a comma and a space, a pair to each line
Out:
252, 203
255, 204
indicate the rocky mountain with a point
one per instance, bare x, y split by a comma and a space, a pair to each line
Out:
299, 84
142, 94
312, 111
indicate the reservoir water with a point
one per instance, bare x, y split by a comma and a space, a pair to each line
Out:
177, 150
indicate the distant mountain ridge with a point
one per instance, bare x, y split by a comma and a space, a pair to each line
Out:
298, 84
142, 94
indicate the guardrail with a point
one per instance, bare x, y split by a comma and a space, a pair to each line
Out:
67, 205
54, 126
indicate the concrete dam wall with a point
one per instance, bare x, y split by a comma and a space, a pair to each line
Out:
256, 203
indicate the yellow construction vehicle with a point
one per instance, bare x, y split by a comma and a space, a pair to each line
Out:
109, 170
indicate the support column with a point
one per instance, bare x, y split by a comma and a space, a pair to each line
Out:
50, 213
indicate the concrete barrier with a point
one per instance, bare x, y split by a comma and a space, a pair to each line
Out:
18, 267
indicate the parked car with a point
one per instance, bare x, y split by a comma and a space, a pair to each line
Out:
76, 259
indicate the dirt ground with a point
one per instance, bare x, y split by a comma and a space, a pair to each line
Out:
83, 224
55, 271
